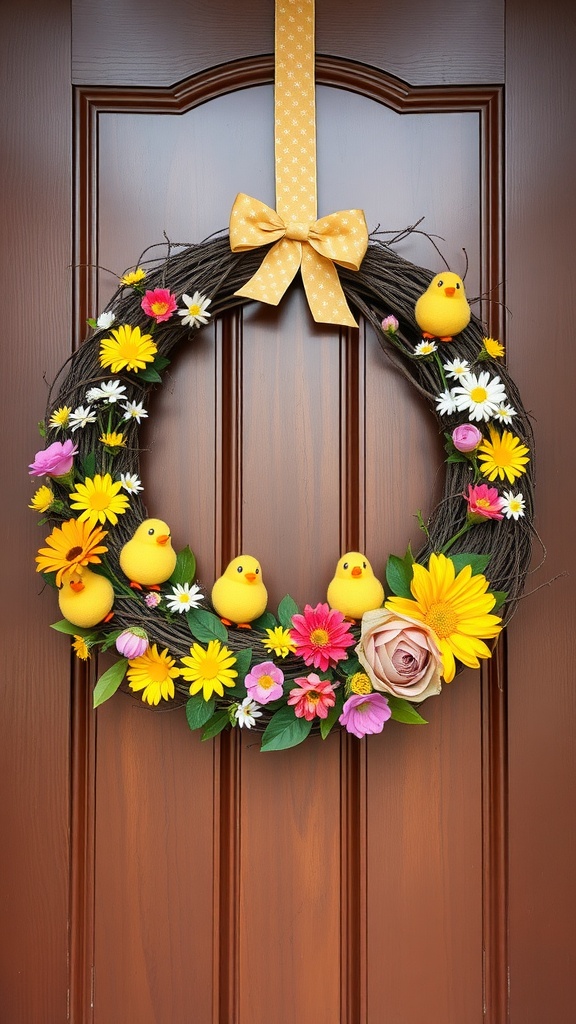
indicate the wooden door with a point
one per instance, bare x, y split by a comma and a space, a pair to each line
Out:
337, 881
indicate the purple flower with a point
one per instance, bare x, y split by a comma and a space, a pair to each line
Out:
466, 437
56, 460
365, 714
152, 600
132, 642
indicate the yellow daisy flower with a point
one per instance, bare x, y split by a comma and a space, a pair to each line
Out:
209, 670
99, 500
80, 648
502, 456
279, 642
60, 417
133, 276
154, 673
42, 499
71, 547
494, 348
455, 607
113, 440
127, 349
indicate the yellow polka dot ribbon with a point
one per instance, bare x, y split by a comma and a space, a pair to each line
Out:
302, 241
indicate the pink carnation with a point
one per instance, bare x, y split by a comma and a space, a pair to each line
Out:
321, 636
56, 460
159, 304
365, 714
314, 697
483, 503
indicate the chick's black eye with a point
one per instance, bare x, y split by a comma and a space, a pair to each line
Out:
457, 286
345, 566
239, 569
440, 283
257, 571
150, 532
363, 565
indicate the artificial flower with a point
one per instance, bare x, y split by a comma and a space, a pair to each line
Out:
131, 483
400, 654
264, 682
184, 596
457, 368
466, 437
365, 715
81, 417
127, 349
159, 304
152, 600
446, 403
111, 390
59, 417
503, 455
479, 395
246, 713
314, 697
513, 505
279, 642
425, 348
42, 499
55, 461
494, 348
81, 648
321, 636
113, 439
154, 673
98, 499
134, 411
456, 606
132, 642
483, 503
195, 310
390, 324
209, 669
71, 547
504, 413
133, 276
359, 683
105, 320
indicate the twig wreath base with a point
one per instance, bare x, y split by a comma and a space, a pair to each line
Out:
384, 292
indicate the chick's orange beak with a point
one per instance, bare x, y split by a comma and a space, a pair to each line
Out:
77, 586
250, 576
449, 292
163, 539
356, 571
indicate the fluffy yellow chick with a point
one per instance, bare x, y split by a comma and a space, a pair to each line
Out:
85, 599
148, 558
443, 310
239, 595
354, 588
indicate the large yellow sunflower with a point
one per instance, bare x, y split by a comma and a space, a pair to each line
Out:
71, 547
209, 670
503, 455
99, 499
154, 673
127, 349
456, 607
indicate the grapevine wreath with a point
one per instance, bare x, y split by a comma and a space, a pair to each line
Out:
293, 671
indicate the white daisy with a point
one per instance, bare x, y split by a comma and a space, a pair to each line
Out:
247, 712
184, 596
81, 417
195, 310
446, 403
457, 368
131, 483
105, 320
134, 411
513, 505
479, 395
111, 390
425, 348
504, 413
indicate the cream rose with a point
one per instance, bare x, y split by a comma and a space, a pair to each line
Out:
400, 655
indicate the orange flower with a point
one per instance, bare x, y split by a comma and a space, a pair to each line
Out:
71, 547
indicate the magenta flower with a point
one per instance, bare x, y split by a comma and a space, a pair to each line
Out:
132, 642
56, 460
152, 600
159, 304
313, 698
321, 636
466, 437
483, 503
264, 682
365, 714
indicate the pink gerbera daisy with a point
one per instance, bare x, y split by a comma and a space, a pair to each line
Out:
321, 636
314, 697
483, 503
159, 304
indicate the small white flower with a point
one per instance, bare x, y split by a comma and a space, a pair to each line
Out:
184, 596
81, 417
446, 403
480, 395
504, 413
112, 391
513, 505
135, 411
195, 310
247, 712
457, 368
425, 348
105, 320
131, 483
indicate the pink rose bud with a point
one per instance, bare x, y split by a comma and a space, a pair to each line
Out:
390, 324
132, 642
466, 437
56, 460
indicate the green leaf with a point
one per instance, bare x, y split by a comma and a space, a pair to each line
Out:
286, 609
216, 724
243, 662
399, 574
63, 626
110, 639
349, 667
205, 626
403, 711
501, 596
198, 711
478, 562
185, 569
328, 723
109, 682
285, 730
89, 464
265, 621
457, 457
152, 373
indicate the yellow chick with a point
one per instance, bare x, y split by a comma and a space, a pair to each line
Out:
443, 310
148, 558
239, 595
85, 599
354, 589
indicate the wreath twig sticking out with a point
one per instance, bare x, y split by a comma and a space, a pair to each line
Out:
300, 670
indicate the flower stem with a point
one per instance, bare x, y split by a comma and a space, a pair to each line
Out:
456, 536
441, 368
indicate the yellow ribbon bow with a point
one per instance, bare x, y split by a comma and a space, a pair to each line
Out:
314, 248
